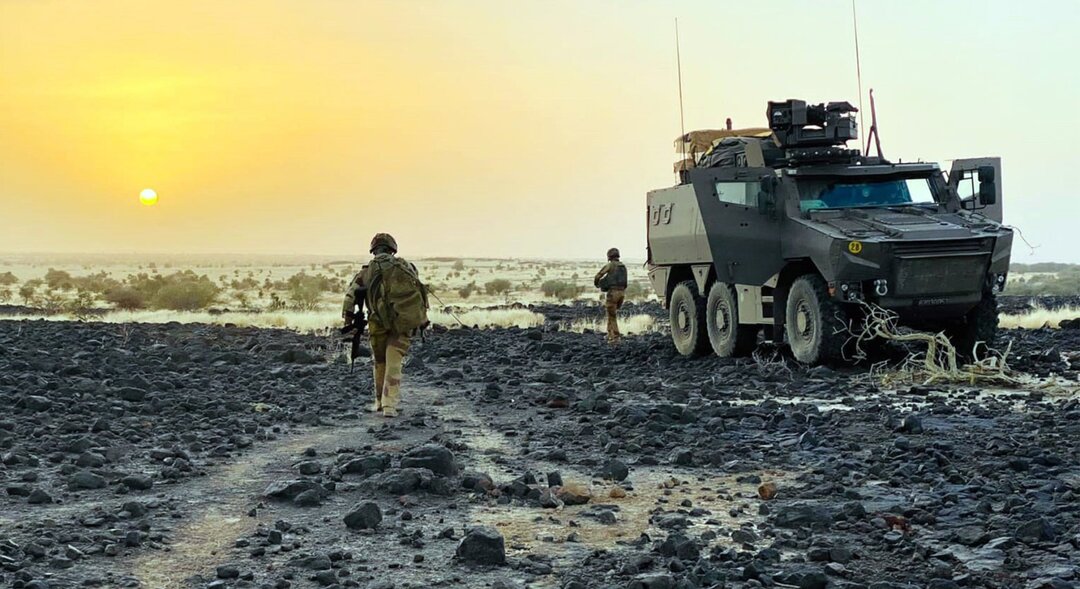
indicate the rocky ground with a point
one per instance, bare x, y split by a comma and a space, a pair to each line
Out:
201, 456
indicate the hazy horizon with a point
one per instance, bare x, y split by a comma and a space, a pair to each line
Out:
481, 128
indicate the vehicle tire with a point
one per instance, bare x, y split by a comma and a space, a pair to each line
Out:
726, 336
687, 313
979, 325
815, 324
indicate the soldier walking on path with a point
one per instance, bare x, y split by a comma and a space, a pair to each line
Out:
612, 280
397, 308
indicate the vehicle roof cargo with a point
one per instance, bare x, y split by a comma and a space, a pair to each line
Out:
721, 147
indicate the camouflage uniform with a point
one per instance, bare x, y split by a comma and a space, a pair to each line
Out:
388, 349
613, 296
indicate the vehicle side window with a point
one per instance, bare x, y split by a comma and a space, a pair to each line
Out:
966, 188
738, 193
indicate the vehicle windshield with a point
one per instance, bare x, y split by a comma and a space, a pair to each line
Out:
845, 193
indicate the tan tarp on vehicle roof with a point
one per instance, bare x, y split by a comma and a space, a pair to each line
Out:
698, 143
702, 141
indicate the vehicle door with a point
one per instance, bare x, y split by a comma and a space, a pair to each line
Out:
977, 182
741, 219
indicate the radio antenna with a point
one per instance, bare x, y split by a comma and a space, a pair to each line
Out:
858, 64
682, 124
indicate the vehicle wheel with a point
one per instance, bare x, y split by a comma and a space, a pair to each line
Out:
726, 336
815, 324
979, 325
688, 330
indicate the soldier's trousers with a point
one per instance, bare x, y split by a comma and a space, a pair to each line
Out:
388, 351
613, 301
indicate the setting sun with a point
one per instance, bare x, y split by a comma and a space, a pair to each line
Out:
148, 197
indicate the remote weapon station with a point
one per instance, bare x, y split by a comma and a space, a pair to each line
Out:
785, 228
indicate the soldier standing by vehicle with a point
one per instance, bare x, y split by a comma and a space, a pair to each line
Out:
612, 280
397, 308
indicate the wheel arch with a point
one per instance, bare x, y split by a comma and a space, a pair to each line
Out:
791, 271
676, 274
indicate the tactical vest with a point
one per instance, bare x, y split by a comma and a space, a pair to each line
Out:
616, 278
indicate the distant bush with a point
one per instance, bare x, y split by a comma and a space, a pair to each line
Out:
497, 287
58, 279
1042, 267
561, 289
276, 304
458, 266
81, 306
636, 291
185, 295
8, 279
304, 296
467, 290
1064, 282
51, 302
5, 294
28, 291
126, 298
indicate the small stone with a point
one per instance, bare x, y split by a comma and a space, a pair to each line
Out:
767, 491
228, 571
309, 467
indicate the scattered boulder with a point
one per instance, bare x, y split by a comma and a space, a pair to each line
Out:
799, 515
433, 457
288, 490
615, 470
138, 482
367, 465
482, 545
571, 494
364, 516
1036, 530
85, 479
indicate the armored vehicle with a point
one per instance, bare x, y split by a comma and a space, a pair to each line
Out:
787, 229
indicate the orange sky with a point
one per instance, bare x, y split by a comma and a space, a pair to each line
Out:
473, 127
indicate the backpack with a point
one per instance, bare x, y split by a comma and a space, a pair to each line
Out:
396, 297
616, 278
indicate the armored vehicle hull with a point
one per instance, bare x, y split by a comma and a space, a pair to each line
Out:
799, 242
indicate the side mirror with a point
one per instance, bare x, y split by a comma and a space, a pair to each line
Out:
987, 185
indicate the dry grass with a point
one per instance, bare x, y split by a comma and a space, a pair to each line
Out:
522, 318
1039, 317
629, 325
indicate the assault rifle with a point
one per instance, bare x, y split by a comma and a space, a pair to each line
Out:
356, 329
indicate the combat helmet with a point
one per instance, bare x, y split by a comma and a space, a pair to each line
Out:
383, 240
613, 253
